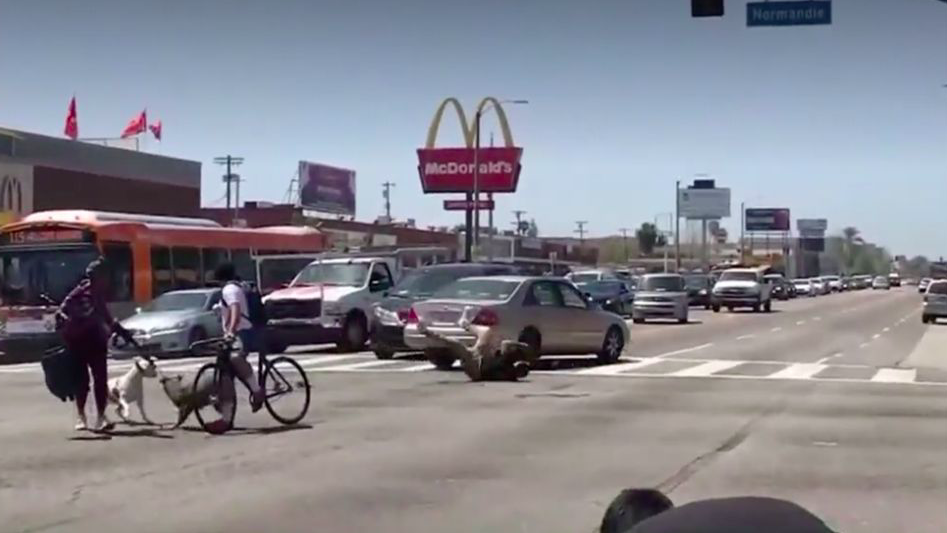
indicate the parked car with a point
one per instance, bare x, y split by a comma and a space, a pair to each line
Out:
742, 287
386, 332
804, 287
584, 276
894, 279
661, 296
935, 302
820, 286
548, 314
171, 323
881, 282
780, 286
834, 283
923, 284
699, 287
611, 295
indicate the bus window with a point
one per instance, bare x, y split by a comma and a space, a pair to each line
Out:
213, 257
276, 272
244, 265
161, 270
187, 267
118, 258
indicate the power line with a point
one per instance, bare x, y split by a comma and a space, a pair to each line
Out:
519, 221
386, 194
229, 162
624, 239
581, 229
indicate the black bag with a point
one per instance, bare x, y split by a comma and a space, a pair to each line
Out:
63, 373
256, 311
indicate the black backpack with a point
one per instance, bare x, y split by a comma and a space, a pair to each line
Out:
256, 311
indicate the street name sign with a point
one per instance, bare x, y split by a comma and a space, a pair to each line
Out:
802, 13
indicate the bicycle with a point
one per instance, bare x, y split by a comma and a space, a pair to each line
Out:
278, 378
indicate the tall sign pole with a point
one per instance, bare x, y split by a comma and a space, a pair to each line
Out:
677, 224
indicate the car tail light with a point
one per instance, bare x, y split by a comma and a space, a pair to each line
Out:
411, 318
404, 315
486, 317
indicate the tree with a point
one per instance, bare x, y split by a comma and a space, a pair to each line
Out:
648, 238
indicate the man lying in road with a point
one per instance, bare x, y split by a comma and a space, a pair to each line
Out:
650, 511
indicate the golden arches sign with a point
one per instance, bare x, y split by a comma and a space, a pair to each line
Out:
469, 130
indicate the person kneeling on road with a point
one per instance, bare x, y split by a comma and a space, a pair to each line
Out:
490, 359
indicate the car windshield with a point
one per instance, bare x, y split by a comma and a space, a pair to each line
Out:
423, 283
348, 274
738, 275
662, 283
585, 277
601, 287
478, 289
800, 281
177, 301
937, 288
26, 275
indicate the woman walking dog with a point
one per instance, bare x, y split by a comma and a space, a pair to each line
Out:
86, 324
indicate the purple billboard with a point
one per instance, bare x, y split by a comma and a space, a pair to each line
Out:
327, 189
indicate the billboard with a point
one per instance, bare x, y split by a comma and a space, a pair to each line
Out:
704, 203
452, 169
327, 189
812, 225
767, 219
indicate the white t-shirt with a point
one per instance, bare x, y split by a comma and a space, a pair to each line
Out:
233, 294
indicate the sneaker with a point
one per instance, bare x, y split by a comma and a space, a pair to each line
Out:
256, 401
520, 370
102, 423
81, 424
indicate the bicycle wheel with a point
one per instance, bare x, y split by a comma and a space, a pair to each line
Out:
287, 390
214, 398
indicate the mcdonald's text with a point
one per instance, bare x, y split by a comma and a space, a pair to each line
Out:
445, 170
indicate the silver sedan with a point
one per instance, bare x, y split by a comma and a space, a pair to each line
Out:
171, 323
548, 314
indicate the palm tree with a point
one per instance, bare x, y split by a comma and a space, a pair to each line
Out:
852, 238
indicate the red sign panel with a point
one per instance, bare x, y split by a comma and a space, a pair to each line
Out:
452, 169
463, 205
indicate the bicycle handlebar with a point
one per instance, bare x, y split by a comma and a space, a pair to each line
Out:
219, 343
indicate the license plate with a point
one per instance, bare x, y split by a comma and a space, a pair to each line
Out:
444, 316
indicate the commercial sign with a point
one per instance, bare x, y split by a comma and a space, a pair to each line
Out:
803, 13
327, 189
463, 205
812, 225
16, 192
699, 204
452, 169
767, 219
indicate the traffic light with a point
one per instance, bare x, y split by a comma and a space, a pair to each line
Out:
706, 8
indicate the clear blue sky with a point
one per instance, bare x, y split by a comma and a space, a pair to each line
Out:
847, 122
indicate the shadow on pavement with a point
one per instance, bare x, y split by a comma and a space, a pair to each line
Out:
268, 430
565, 363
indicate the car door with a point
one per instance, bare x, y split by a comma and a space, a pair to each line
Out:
542, 307
583, 327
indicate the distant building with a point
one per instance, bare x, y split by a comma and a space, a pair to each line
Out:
40, 173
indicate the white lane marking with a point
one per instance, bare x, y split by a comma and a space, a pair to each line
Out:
863, 345
895, 375
357, 366
610, 370
777, 328
706, 369
875, 336
816, 318
747, 336
800, 322
799, 371
685, 350
418, 368
887, 329
312, 361
827, 358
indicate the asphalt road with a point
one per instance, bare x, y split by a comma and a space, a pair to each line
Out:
836, 402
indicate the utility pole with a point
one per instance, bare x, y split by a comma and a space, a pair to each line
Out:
229, 162
742, 232
386, 194
624, 240
519, 219
581, 230
677, 224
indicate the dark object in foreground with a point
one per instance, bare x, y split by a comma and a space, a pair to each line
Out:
63, 373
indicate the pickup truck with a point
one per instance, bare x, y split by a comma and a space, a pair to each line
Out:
742, 287
329, 301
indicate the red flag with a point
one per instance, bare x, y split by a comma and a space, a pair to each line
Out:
136, 125
155, 129
72, 121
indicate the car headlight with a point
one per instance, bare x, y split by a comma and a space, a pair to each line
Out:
177, 326
386, 317
702, 292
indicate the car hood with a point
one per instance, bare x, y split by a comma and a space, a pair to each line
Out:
312, 292
150, 320
736, 285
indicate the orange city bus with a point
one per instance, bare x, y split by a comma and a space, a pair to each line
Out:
46, 253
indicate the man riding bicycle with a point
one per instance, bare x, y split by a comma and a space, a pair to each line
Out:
236, 325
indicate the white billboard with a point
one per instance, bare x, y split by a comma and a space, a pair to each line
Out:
812, 225
699, 204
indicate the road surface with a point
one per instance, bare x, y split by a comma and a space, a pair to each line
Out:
837, 402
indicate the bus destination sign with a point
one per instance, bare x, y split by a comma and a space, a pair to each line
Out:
46, 235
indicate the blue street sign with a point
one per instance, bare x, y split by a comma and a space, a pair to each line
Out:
804, 13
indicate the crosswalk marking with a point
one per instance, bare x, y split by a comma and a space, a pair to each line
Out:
799, 371
895, 375
356, 366
611, 370
706, 369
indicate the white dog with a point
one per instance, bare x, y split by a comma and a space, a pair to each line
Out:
127, 389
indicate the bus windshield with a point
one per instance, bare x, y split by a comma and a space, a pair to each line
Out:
25, 275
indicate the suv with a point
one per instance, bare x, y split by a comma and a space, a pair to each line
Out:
935, 302
329, 301
661, 296
742, 287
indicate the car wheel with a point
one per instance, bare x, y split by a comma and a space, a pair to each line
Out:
533, 339
612, 346
756, 308
441, 359
730, 308
196, 334
716, 308
354, 333
925, 319
768, 306
383, 353
638, 320
682, 320
706, 307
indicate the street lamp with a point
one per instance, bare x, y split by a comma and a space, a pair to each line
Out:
476, 192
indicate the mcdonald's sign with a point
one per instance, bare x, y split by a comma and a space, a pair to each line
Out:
449, 170
11, 194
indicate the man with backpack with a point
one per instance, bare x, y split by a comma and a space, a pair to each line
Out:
241, 310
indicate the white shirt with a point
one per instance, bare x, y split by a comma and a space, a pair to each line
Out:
233, 294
